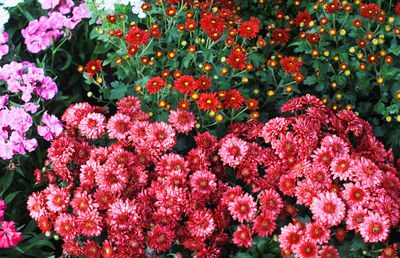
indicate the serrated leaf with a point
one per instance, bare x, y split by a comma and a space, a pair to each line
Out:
186, 60
379, 108
310, 80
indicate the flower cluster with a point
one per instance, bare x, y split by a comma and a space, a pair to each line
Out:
30, 85
64, 16
138, 193
3, 44
109, 5
8, 235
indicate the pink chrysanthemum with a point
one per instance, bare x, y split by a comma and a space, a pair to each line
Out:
230, 194
201, 223
183, 121
291, 235
355, 217
57, 199
323, 156
305, 249
243, 236
65, 226
87, 175
112, 177
274, 128
92, 126
264, 224
161, 136
122, 215
317, 233
389, 206
270, 201
74, 114
129, 104
82, 202
335, 144
172, 199
118, 126
305, 192
203, 181
340, 167
243, 208
161, 238
233, 150
375, 228
206, 141
354, 194
171, 162
287, 185
36, 205
367, 173
89, 223
328, 209
328, 252
138, 132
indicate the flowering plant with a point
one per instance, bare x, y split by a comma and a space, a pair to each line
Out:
198, 57
120, 185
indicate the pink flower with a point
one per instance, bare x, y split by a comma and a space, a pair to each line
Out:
8, 235
270, 201
161, 136
375, 228
65, 226
53, 127
89, 223
112, 176
57, 198
367, 172
274, 128
183, 121
118, 126
243, 208
305, 249
92, 126
291, 235
243, 236
317, 233
122, 215
201, 223
328, 209
203, 181
264, 224
233, 150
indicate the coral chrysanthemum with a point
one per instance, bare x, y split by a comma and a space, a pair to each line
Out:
328, 209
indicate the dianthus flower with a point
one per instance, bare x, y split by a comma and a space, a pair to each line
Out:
243, 236
375, 228
8, 235
290, 64
243, 208
328, 209
52, 127
3, 46
237, 59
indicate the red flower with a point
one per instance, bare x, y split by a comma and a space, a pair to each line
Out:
243, 236
213, 25
185, 84
137, 36
362, 43
93, 67
237, 59
333, 7
190, 24
313, 38
208, 101
249, 29
303, 19
233, 99
203, 83
290, 64
369, 10
155, 84
357, 23
372, 59
132, 49
111, 18
397, 8
280, 35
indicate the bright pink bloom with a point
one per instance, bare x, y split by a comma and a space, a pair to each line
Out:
233, 150
52, 127
243, 236
328, 209
182, 121
8, 235
118, 126
243, 208
317, 233
291, 235
201, 223
375, 228
264, 224
305, 249
271, 202
92, 126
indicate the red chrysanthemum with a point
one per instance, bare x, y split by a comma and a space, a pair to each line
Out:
233, 150
369, 10
291, 235
328, 209
317, 233
185, 84
305, 249
333, 7
243, 236
290, 64
243, 208
303, 19
280, 35
92, 126
237, 59
249, 29
233, 99
137, 37
92, 67
264, 224
397, 8
155, 84
201, 223
208, 101
161, 237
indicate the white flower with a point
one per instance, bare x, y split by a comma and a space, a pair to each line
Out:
4, 16
10, 3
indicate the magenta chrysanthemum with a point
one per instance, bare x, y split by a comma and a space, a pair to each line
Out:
233, 150
375, 228
328, 209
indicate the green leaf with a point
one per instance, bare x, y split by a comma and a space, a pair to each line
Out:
6, 180
118, 91
243, 255
11, 196
68, 60
379, 108
186, 60
310, 80
257, 59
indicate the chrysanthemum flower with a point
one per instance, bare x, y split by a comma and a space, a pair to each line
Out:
57, 198
112, 177
122, 215
375, 228
161, 136
203, 83
303, 19
206, 141
155, 84
161, 238
118, 126
280, 35
183, 121
317, 233
264, 224
369, 10
290, 64
237, 59
137, 36
335, 144
65, 226
89, 223
333, 7
82, 202
328, 209
171, 162
208, 101
93, 67
36, 205
203, 181
291, 235
270, 201
233, 150
243, 236
201, 223
92, 126
61, 150
341, 167
249, 29
355, 217
243, 208
233, 99
185, 84
274, 128
354, 194
367, 173
305, 249
328, 252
